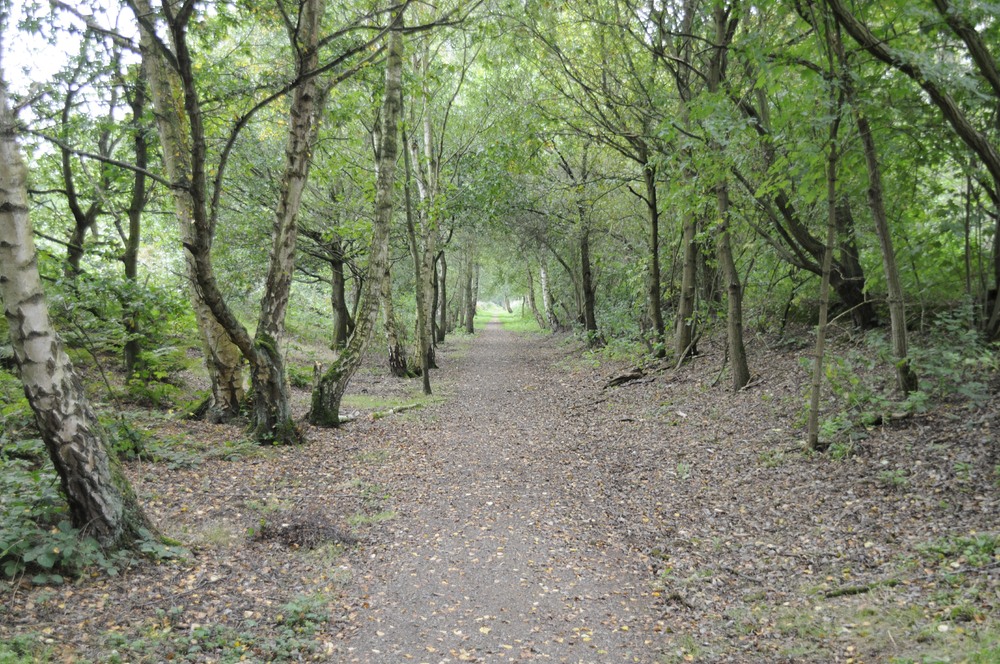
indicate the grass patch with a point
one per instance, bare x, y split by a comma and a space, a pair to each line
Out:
515, 322
382, 403
359, 520
290, 634
25, 649
883, 626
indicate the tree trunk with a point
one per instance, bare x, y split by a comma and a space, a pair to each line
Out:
101, 502
397, 354
423, 329
532, 303
468, 298
442, 328
653, 287
725, 25
906, 378
548, 304
222, 357
330, 390
834, 109
734, 294
342, 322
475, 288
587, 281
685, 320
272, 416
133, 238
436, 283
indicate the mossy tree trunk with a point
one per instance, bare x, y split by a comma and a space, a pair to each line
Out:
222, 357
330, 389
179, 111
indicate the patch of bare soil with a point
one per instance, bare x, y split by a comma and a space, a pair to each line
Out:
535, 514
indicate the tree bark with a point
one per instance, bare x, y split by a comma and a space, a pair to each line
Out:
442, 327
133, 238
587, 281
222, 357
835, 108
101, 502
330, 390
272, 413
906, 378
685, 320
532, 303
725, 26
420, 292
653, 287
469, 307
397, 354
342, 322
548, 304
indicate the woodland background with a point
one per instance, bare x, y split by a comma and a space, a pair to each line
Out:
228, 199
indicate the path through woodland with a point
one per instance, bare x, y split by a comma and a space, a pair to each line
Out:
502, 549
530, 513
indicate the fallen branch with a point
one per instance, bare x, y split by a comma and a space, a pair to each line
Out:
635, 374
860, 590
377, 415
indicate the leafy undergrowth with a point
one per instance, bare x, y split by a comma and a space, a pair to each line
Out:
885, 550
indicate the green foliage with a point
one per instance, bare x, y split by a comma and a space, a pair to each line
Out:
89, 311
156, 381
300, 377
894, 479
974, 550
288, 635
24, 649
36, 538
15, 411
954, 364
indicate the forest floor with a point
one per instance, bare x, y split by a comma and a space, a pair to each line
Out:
528, 512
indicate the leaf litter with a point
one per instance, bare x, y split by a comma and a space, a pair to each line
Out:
539, 513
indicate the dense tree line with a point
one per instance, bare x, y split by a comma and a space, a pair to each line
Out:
641, 171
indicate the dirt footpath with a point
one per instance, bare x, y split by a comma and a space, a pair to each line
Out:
498, 550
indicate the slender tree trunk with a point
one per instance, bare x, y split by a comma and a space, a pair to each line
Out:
423, 329
653, 287
133, 238
442, 327
222, 357
734, 294
101, 502
548, 304
587, 281
835, 108
273, 419
906, 378
824, 303
725, 25
532, 303
684, 323
338, 296
475, 288
469, 307
436, 283
397, 354
330, 390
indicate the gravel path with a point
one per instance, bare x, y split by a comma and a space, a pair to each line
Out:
497, 552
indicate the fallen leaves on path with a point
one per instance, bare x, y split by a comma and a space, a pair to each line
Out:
536, 513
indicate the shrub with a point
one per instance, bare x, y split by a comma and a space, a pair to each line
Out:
36, 537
